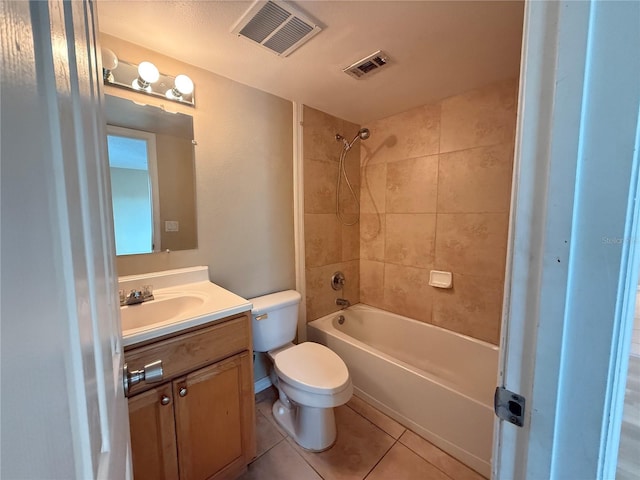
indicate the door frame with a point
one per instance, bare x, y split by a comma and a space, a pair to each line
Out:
575, 176
152, 169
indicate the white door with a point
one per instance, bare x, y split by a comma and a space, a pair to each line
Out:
573, 258
64, 414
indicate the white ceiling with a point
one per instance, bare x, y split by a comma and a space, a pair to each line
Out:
436, 48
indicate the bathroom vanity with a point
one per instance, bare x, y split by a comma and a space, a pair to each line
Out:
198, 420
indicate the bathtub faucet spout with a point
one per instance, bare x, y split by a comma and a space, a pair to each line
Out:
343, 303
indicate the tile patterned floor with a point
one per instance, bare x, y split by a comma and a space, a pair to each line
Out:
370, 446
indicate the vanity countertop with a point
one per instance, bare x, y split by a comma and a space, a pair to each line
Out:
176, 305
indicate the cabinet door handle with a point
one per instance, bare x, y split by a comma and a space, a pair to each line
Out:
165, 400
183, 391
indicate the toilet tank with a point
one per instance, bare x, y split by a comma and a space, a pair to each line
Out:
274, 319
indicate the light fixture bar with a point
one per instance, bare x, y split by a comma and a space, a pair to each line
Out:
146, 79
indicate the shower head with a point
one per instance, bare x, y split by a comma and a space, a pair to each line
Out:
362, 134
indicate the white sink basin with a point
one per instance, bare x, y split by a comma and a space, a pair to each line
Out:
159, 310
183, 298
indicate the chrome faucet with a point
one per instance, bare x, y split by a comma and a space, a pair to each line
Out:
343, 303
136, 296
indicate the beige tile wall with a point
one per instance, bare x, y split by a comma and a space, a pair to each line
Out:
440, 178
329, 246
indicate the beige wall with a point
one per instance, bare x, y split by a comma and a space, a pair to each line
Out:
329, 245
440, 177
244, 180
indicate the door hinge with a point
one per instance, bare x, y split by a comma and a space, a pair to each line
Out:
509, 406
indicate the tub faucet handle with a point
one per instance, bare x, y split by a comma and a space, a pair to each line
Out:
337, 280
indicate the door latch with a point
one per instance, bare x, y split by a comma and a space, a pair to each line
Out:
509, 406
151, 373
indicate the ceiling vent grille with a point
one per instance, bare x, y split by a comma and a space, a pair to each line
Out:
276, 26
368, 65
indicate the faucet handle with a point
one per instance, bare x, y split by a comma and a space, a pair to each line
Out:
337, 280
147, 291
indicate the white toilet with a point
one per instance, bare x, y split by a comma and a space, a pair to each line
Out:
310, 378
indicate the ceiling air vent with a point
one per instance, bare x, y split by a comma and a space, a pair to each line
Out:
368, 65
277, 26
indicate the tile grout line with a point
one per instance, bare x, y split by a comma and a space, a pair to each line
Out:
258, 412
268, 450
380, 459
378, 427
397, 440
304, 459
432, 464
286, 438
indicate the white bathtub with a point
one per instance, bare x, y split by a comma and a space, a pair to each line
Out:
438, 383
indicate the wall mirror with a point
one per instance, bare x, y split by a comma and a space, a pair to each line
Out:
152, 166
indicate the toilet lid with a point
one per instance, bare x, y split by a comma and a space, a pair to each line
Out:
312, 367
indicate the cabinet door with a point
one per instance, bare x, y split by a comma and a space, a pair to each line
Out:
214, 411
153, 435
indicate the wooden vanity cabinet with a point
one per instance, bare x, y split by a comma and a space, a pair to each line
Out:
200, 424
209, 418
153, 434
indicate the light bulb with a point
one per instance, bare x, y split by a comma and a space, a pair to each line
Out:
109, 59
137, 84
184, 84
171, 95
148, 72
109, 62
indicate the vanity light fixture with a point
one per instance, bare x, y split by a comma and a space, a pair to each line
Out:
183, 85
109, 62
146, 79
148, 73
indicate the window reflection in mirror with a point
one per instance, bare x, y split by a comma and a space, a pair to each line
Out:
134, 189
151, 156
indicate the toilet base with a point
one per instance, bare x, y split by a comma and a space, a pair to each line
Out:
314, 429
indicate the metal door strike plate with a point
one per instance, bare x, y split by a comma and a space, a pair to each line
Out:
509, 406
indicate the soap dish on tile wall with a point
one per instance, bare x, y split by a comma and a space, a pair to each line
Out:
440, 279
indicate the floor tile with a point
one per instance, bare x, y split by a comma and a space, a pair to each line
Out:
268, 394
359, 446
365, 447
267, 435
438, 458
402, 464
376, 417
264, 408
280, 463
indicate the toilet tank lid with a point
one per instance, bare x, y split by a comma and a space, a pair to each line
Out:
274, 301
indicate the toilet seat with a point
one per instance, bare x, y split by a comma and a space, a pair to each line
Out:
313, 368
